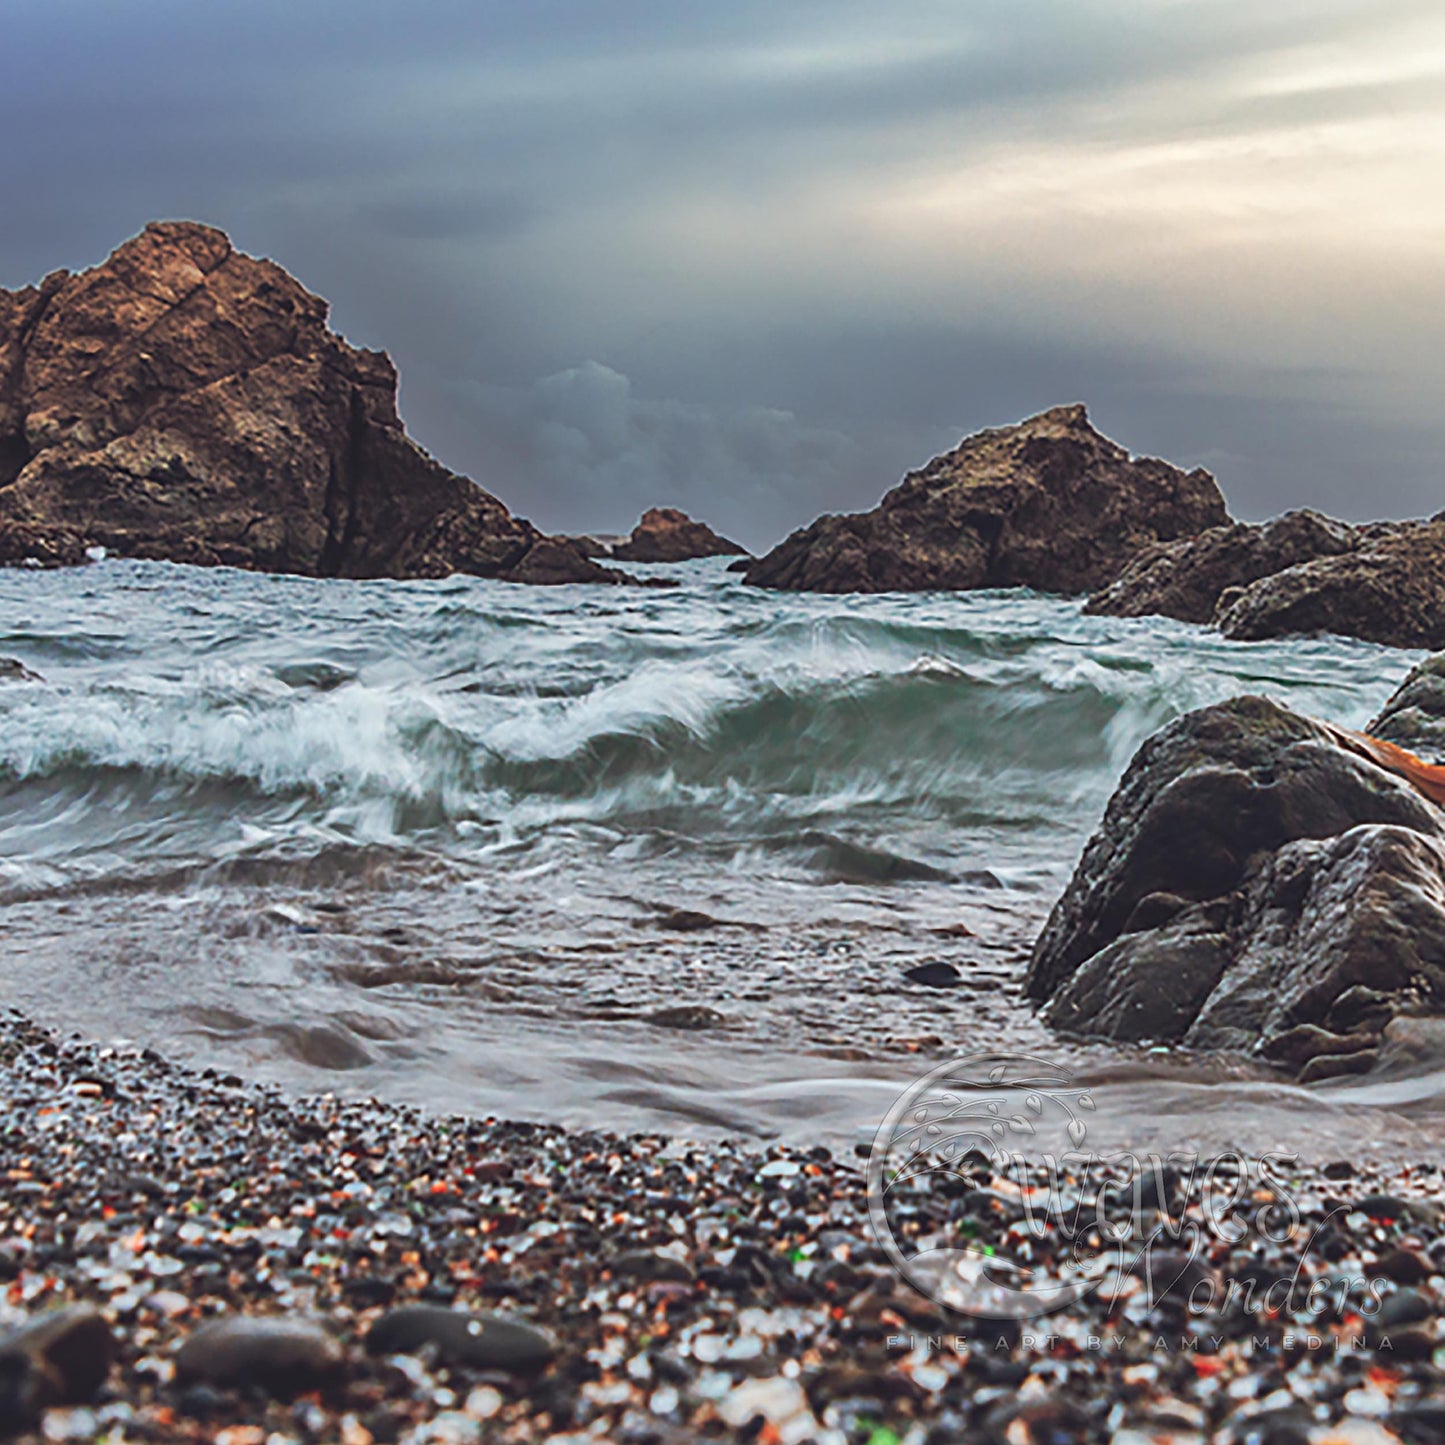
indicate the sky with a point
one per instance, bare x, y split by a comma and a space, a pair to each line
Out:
757, 259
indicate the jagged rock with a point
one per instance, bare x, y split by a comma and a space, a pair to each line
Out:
1389, 589
1049, 503
1302, 572
667, 535
1186, 578
184, 401
1251, 876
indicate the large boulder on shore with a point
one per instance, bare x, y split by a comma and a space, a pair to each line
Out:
1255, 886
186, 402
1049, 503
666, 534
1303, 572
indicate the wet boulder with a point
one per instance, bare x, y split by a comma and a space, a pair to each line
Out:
1252, 880
1414, 716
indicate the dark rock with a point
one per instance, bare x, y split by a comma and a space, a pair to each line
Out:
685, 920
934, 975
284, 1357
1148, 984
1385, 1207
1414, 717
12, 671
1409, 1346
1403, 1266
480, 1342
1301, 573
1049, 503
550, 561
1390, 589
1422, 1421
1178, 1277
648, 1267
1307, 1041
686, 1016
1186, 578
667, 535
1314, 892
186, 402
1338, 1066
1404, 1307
59, 1358
595, 544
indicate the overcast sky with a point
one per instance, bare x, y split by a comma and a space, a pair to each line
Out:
757, 259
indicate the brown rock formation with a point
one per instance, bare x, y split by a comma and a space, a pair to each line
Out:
187, 402
667, 535
1186, 578
1049, 503
1302, 572
1389, 589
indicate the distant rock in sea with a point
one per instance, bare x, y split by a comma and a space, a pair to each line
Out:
1303, 572
186, 402
664, 534
1049, 503
595, 544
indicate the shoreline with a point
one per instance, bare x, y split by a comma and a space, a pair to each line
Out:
665, 1291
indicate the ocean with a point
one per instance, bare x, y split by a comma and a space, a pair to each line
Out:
642, 859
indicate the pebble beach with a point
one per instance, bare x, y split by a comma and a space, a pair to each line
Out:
190, 1257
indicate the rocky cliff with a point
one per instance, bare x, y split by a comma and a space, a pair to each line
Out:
187, 402
1049, 503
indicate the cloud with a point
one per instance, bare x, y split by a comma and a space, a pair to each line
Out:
821, 239
589, 454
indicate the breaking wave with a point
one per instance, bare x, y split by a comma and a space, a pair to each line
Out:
867, 734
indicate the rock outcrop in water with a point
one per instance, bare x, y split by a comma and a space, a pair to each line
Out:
1302, 572
1258, 885
666, 534
184, 401
1186, 578
1049, 503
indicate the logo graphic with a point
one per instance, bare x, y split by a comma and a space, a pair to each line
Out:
985, 1196
956, 1132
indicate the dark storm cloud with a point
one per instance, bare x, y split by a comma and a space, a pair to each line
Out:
758, 259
